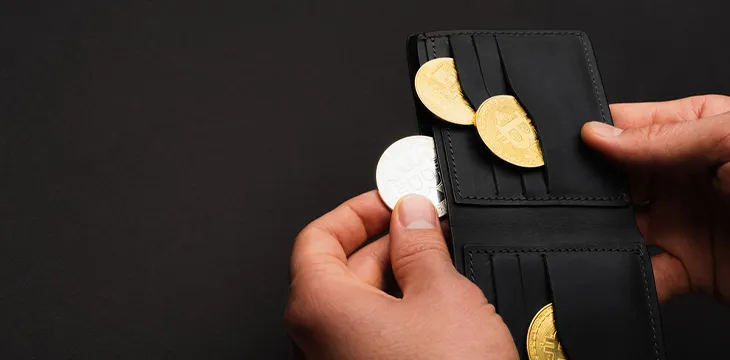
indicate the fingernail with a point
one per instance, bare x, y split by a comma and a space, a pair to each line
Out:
604, 130
417, 212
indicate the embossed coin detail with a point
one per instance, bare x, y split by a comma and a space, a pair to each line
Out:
505, 128
437, 85
542, 337
408, 166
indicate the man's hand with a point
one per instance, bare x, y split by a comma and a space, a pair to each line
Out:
678, 157
337, 307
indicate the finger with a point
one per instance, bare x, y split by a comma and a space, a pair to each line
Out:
680, 227
670, 277
418, 252
372, 262
643, 220
640, 184
692, 145
298, 353
336, 234
722, 180
632, 115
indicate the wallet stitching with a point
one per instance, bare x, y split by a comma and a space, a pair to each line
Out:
547, 250
510, 33
560, 198
600, 107
637, 251
471, 267
648, 305
593, 76
543, 250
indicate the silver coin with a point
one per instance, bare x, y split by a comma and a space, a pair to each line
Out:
408, 166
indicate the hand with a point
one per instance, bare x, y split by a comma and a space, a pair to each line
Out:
677, 154
337, 307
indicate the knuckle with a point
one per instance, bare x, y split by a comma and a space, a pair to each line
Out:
654, 133
419, 245
471, 292
723, 146
722, 179
307, 303
650, 142
303, 311
474, 292
294, 315
696, 106
722, 100
308, 231
491, 310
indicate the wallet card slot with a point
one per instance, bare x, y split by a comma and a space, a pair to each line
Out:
515, 282
534, 282
599, 301
468, 69
477, 74
490, 63
553, 81
508, 179
508, 286
604, 305
479, 175
534, 180
481, 273
535, 186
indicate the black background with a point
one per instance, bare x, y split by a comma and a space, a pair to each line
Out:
157, 159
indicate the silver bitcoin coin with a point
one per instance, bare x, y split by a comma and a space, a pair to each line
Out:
408, 166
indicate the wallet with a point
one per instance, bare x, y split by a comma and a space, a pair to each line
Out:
564, 233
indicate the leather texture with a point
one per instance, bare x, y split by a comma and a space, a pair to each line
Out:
564, 233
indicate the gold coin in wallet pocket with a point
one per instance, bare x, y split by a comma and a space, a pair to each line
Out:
505, 128
542, 337
437, 85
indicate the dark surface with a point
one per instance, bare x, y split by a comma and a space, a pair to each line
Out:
157, 160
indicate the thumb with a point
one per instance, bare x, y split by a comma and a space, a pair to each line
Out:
418, 251
692, 145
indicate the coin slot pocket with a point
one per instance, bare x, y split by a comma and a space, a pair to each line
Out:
596, 312
556, 83
591, 305
515, 283
480, 75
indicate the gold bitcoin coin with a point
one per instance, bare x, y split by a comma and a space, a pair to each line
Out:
542, 337
505, 128
437, 85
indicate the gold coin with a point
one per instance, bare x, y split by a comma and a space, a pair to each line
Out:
542, 337
504, 126
437, 85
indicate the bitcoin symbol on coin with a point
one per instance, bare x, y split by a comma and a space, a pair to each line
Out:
506, 130
552, 348
542, 337
515, 127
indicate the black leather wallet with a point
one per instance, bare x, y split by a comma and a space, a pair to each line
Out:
564, 233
